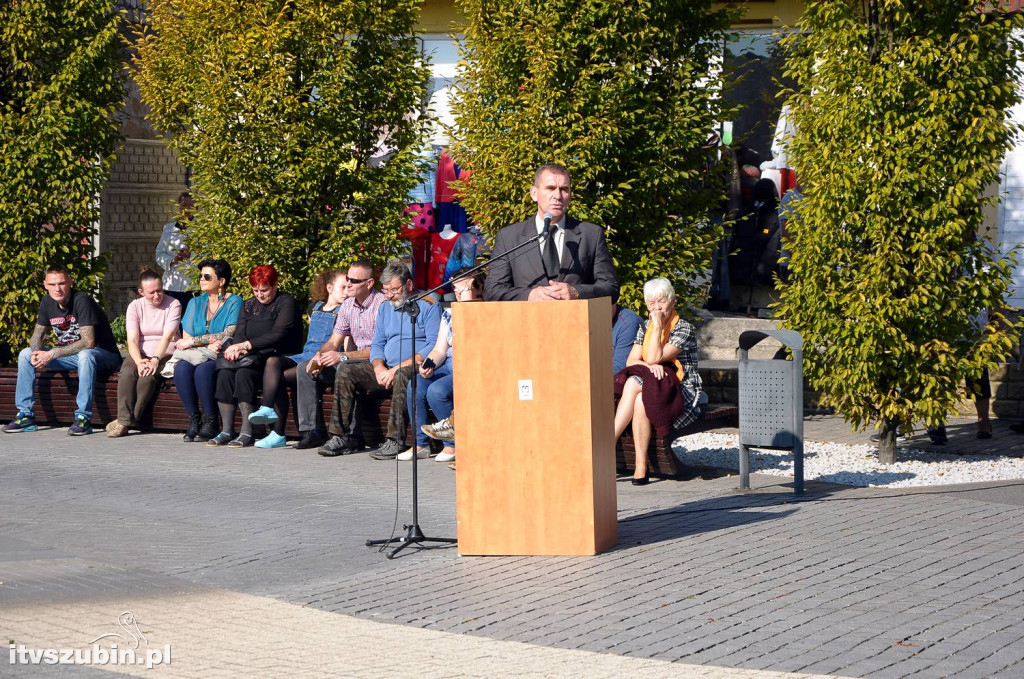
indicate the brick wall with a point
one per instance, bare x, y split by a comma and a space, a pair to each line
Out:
136, 203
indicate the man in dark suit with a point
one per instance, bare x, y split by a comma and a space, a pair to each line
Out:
572, 263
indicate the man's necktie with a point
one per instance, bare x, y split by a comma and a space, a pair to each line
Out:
551, 263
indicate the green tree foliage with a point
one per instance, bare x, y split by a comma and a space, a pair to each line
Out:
60, 85
622, 93
279, 106
901, 125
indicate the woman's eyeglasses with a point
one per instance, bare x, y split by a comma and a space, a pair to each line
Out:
208, 277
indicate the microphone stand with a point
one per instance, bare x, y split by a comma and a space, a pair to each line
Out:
413, 533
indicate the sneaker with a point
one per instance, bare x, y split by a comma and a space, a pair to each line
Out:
81, 427
440, 431
221, 439
445, 456
115, 429
421, 454
241, 441
272, 440
23, 422
900, 438
388, 450
311, 439
265, 415
340, 445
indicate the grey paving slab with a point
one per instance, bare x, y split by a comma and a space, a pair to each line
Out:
863, 582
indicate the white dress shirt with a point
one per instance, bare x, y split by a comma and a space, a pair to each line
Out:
559, 235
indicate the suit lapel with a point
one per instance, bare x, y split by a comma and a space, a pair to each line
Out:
531, 253
570, 247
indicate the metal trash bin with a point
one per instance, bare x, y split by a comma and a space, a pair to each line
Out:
771, 402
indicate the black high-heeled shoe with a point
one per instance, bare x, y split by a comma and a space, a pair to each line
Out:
643, 480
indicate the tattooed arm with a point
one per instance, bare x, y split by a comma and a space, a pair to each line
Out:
88, 341
39, 357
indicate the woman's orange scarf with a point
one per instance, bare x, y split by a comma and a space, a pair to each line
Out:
666, 332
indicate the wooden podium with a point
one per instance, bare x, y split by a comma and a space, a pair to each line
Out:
534, 427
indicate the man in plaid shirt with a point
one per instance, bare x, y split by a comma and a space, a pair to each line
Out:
357, 320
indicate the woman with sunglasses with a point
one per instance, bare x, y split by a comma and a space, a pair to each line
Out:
269, 325
330, 289
209, 319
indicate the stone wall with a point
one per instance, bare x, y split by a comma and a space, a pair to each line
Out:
721, 384
1007, 393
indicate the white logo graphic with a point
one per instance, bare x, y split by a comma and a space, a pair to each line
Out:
127, 621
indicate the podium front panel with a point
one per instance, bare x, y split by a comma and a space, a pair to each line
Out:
534, 427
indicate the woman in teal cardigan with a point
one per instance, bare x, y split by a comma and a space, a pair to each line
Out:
209, 319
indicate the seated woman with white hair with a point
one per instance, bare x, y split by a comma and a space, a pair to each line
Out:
660, 387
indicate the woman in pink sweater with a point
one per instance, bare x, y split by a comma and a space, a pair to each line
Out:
152, 323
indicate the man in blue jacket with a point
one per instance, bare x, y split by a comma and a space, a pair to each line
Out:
389, 369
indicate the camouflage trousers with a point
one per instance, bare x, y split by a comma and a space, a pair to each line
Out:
357, 378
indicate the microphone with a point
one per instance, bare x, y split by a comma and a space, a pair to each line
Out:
548, 252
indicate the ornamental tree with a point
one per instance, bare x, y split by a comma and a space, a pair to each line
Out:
284, 109
623, 94
60, 85
901, 118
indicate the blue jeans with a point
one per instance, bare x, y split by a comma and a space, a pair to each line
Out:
88, 363
437, 391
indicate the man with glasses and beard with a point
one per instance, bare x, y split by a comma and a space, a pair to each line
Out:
390, 367
357, 319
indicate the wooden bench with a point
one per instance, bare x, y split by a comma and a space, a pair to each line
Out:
55, 405
661, 461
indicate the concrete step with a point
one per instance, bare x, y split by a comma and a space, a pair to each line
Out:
718, 336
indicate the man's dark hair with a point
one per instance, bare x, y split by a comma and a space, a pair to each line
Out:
58, 268
553, 168
363, 264
220, 267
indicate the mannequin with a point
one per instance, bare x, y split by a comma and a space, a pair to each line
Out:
441, 245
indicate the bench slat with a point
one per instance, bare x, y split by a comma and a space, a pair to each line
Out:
55, 405
661, 461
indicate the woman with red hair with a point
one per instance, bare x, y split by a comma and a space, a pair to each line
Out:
269, 325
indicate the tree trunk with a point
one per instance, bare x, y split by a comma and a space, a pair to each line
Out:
887, 442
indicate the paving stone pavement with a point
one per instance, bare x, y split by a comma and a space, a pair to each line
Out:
253, 563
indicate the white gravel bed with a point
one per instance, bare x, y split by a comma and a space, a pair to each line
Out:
852, 465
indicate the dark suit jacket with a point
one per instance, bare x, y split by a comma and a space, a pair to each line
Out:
586, 263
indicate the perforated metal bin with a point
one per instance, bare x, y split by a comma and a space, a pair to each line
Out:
771, 400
